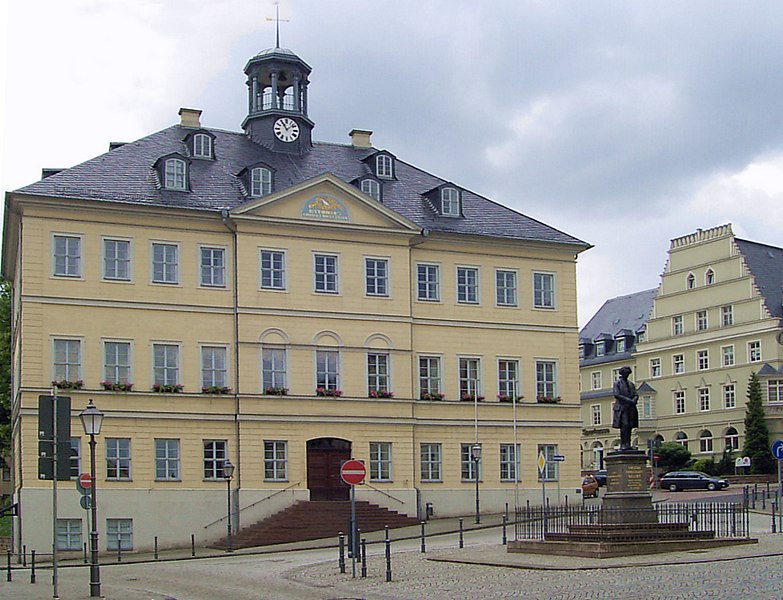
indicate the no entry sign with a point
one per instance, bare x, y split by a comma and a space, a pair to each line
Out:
85, 480
353, 472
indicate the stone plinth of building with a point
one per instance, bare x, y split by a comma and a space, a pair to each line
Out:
628, 498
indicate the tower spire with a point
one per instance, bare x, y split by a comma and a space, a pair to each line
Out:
277, 20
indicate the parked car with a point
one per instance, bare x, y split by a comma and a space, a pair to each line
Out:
601, 477
691, 480
589, 487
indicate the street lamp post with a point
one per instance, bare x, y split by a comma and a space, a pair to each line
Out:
475, 453
92, 419
228, 472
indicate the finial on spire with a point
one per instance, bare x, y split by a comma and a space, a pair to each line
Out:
277, 20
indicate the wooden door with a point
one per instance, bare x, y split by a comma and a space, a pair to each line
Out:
325, 456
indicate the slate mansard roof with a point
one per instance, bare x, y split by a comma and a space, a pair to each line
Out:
766, 265
126, 175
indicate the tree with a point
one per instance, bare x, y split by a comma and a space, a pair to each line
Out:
5, 369
756, 431
673, 456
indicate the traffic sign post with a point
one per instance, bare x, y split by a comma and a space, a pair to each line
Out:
777, 452
353, 473
541, 469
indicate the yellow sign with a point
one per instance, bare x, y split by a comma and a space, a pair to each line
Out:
327, 208
541, 462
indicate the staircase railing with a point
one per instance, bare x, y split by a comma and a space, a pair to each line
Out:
264, 499
384, 493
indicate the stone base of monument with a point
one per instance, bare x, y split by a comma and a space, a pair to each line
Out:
626, 523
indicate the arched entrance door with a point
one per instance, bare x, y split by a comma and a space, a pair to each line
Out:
324, 458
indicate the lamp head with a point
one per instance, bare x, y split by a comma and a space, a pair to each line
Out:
92, 419
228, 469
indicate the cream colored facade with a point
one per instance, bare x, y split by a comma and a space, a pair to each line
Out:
238, 320
715, 320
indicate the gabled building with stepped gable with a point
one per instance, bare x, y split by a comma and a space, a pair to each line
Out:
285, 304
715, 318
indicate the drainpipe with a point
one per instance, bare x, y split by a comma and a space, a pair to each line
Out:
224, 216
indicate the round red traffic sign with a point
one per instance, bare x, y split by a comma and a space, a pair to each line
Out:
353, 471
85, 480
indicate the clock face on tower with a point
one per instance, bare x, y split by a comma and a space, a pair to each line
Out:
286, 129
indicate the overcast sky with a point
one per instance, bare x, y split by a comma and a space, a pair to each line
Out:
625, 124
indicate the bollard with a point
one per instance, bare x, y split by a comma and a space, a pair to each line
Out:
357, 545
506, 513
156, 547
504, 530
364, 557
193, 544
763, 502
388, 559
24, 555
9, 564
772, 505
85, 552
423, 547
119, 550
341, 555
32, 566
461, 540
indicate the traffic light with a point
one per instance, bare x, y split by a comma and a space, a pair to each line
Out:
46, 441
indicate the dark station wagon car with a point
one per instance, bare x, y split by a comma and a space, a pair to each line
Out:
691, 480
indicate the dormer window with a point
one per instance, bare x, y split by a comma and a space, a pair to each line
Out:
260, 182
175, 174
202, 145
600, 348
449, 202
384, 166
372, 188
619, 344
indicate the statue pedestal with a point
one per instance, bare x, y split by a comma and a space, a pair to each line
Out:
628, 498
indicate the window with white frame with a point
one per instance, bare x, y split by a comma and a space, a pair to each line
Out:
165, 263
775, 390
118, 458
429, 377
376, 276
380, 461
449, 202
377, 372
273, 370
372, 188
619, 344
509, 462
428, 282
641, 335
467, 285
76, 457
690, 281
468, 471
709, 277
67, 255
615, 375
469, 378
119, 534
116, 259
69, 534
596, 380
729, 396
731, 439
647, 411
215, 454
701, 320
116, 362
595, 411
165, 365
384, 167
214, 369
551, 470
543, 290
176, 175
275, 460
655, 367
754, 351
727, 315
506, 288
703, 360
272, 270
67, 360
431, 462
704, 399
167, 460
202, 145
681, 438
678, 364
677, 325
546, 379
679, 402
705, 441
508, 380
325, 273
213, 267
327, 369
600, 348
260, 182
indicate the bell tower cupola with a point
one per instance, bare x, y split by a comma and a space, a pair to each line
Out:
277, 118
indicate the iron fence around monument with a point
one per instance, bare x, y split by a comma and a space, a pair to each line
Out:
725, 519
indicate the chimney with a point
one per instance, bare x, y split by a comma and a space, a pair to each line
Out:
360, 138
191, 117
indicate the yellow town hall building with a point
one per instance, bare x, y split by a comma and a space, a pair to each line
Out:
284, 304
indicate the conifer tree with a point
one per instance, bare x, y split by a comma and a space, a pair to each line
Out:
756, 431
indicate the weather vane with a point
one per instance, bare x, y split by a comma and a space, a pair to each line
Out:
277, 20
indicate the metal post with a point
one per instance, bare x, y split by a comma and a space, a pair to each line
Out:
156, 547
229, 547
504, 530
461, 540
423, 547
84, 550
352, 538
8, 556
341, 556
32, 567
780, 495
388, 557
24, 555
95, 570
55, 444
193, 544
364, 557
476, 473
773, 516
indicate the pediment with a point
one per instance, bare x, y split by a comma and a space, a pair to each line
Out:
324, 200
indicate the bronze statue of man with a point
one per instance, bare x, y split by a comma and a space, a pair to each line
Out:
625, 415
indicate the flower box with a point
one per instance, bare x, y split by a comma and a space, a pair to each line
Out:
215, 389
276, 391
432, 396
116, 386
381, 394
68, 385
548, 399
171, 388
325, 392
471, 398
508, 398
